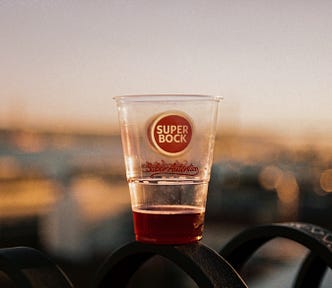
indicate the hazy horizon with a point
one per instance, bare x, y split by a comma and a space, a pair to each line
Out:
62, 62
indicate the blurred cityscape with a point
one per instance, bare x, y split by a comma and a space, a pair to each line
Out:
65, 192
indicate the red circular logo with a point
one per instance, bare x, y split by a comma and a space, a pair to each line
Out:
170, 133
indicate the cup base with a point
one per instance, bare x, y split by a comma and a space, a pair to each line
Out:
168, 241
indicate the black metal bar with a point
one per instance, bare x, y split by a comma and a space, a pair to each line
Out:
311, 272
29, 268
315, 238
203, 265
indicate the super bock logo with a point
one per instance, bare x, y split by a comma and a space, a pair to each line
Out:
170, 133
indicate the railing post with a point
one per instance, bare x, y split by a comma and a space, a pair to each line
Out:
29, 268
202, 264
317, 239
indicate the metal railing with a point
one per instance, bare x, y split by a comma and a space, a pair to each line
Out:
29, 268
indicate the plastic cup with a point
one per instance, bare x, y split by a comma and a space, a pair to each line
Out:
168, 143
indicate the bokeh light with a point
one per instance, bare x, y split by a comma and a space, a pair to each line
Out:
288, 189
326, 180
270, 177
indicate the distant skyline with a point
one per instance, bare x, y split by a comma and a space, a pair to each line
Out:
62, 61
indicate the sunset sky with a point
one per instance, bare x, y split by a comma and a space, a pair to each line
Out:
62, 61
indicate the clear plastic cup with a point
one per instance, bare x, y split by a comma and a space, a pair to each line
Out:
168, 143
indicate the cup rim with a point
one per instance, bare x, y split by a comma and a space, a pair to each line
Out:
166, 97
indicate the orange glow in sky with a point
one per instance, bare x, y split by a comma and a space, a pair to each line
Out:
62, 61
